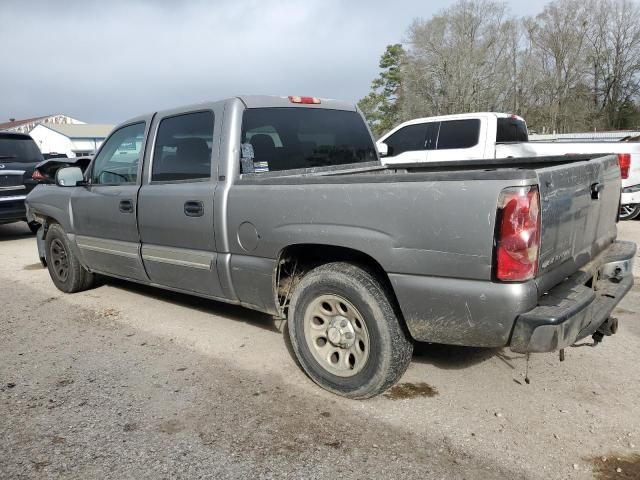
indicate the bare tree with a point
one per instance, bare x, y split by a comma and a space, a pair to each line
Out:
459, 60
614, 41
558, 37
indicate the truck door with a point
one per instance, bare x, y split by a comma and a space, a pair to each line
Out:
175, 212
411, 143
104, 212
407, 145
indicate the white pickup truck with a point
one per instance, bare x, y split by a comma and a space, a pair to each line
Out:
499, 135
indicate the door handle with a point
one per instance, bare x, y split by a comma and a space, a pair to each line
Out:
126, 206
596, 189
193, 209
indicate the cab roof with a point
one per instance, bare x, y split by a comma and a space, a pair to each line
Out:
268, 101
251, 101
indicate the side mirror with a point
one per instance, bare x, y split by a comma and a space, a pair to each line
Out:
69, 177
383, 149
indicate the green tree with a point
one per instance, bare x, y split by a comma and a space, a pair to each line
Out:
382, 106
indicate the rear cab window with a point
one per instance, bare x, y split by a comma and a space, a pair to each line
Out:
511, 129
285, 138
458, 134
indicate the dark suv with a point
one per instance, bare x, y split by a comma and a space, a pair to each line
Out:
19, 155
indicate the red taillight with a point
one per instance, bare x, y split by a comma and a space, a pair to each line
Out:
624, 160
517, 234
305, 100
38, 176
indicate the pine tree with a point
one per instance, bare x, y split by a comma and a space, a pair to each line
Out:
381, 106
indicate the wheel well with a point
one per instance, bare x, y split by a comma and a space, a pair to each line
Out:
296, 260
48, 221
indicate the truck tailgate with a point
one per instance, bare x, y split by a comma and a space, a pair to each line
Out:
579, 205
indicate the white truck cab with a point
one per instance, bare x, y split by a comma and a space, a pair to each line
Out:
451, 137
499, 135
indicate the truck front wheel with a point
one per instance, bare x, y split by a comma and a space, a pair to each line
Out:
345, 331
64, 268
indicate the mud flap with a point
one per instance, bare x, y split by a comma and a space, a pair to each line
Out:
40, 240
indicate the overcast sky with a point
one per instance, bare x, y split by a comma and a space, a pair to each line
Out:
105, 61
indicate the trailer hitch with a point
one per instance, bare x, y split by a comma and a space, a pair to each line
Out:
609, 327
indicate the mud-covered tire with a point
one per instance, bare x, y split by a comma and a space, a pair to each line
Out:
64, 268
629, 212
389, 345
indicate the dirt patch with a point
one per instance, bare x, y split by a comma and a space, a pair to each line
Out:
618, 467
108, 313
171, 427
39, 465
335, 444
130, 427
403, 391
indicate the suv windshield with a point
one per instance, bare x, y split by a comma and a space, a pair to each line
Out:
275, 139
19, 149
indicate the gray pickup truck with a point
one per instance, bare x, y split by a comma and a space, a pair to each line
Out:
281, 204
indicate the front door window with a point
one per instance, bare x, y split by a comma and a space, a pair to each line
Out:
117, 162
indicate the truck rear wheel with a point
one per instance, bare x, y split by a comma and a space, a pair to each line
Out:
345, 331
64, 268
629, 212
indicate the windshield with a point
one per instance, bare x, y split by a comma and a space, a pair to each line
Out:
19, 149
275, 139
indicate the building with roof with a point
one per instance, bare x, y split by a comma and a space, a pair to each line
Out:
28, 124
73, 139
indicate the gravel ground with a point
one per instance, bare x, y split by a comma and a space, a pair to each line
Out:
125, 381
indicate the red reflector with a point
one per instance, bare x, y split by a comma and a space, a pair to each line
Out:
305, 100
624, 160
517, 234
36, 175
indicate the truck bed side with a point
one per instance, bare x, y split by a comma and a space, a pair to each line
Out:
432, 231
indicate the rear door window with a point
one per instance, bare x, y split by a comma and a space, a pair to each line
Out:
459, 134
433, 128
407, 139
183, 148
284, 138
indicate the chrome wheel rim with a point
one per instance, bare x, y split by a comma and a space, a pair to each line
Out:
59, 260
626, 210
337, 335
